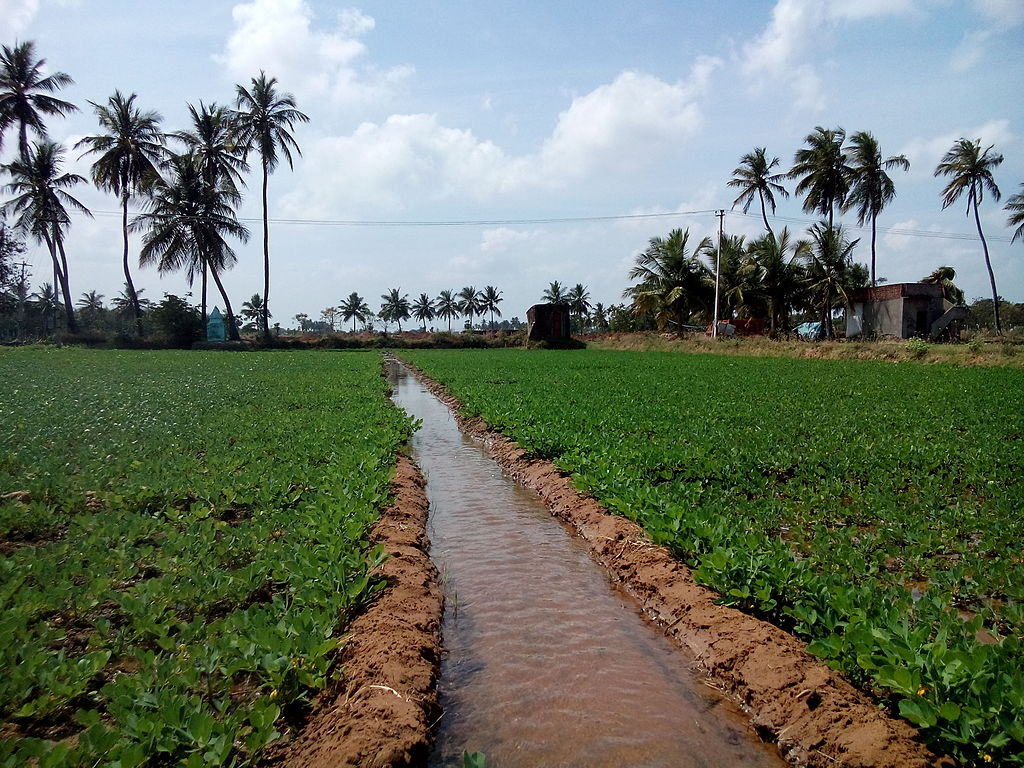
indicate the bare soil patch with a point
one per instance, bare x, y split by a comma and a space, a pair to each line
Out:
380, 713
816, 717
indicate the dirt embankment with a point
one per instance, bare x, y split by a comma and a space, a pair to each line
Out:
387, 702
816, 717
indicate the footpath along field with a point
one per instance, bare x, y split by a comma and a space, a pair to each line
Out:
874, 509
179, 534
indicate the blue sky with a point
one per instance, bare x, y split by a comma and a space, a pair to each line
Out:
505, 112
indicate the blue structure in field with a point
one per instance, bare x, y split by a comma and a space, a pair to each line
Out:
215, 329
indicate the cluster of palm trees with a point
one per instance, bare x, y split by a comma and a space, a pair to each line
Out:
396, 307
189, 193
833, 173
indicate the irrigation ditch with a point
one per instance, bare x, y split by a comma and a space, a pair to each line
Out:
554, 673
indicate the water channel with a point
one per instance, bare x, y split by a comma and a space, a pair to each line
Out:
548, 663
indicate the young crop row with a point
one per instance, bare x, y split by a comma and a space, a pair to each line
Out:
183, 536
876, 510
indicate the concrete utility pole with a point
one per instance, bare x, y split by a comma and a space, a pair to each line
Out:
718, 271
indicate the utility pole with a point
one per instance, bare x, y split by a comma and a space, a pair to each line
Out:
718, 271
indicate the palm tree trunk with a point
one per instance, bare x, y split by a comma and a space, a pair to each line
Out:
764, 215
204, 315
127, 272
266, 259
65, 286
232, 325
874, 221
988, 265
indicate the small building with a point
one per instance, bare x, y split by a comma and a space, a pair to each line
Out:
904, 310
548, 322
215, 330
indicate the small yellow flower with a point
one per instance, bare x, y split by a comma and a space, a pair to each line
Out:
922, 691
273, 694
987, 758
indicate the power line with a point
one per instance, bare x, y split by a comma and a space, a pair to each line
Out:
897, 231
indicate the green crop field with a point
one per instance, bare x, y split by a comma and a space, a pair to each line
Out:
874, 509
183, 536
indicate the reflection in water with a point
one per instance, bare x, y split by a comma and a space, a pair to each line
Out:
547, 662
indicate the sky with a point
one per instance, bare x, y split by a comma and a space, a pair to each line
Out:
513, 144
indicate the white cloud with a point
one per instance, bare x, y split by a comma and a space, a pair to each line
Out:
15, 16
279, 37
1002, 13
501, 239
623, 124
615, 129
798, 28
970, 50
924, 153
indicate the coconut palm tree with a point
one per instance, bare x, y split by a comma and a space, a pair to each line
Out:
578, 298
469, 303
971, 172
600, 317
354, 308
40, 206
822, 172
672, 283
730, 283
754, 176
395, 307
188, 225
123, 306
25, 94
490, 298
944, 277
447, 307
831, 273
46, 301
554, 293
423, 310
871, 189
212, 142
263, 121
1015, 205
130, 151
773, 279
252, 310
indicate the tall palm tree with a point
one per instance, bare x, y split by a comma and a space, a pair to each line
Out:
25, 93
831, 273
130, 151
971, 172
395, 307
354, 308
40, 206
423, 310
490, 298
773, 278
469, 303
672, 283
447, 307
871, 189
1015, 205
263, 121
554, 293
188, 225
754, 176
600, 317
822, 171
212, 142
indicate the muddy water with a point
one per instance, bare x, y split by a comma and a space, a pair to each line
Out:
547, 662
